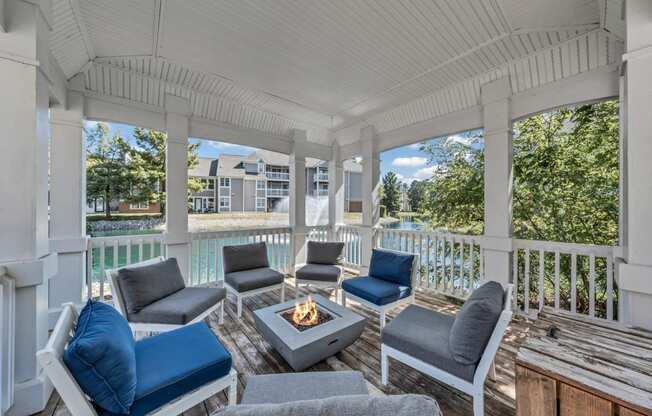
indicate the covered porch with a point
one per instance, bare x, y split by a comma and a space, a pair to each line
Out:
322, 81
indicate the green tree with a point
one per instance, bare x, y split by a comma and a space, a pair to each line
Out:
147, 162
416, 195
108, 174
391, 193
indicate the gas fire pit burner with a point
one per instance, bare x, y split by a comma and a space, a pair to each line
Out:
307, 330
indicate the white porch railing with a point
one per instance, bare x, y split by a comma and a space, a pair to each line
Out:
119, 251
7, 339
319, 233
450, 263
350, 236
577, 278
206, 251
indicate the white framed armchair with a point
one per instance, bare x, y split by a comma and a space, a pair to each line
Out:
323, 267
189, 393
152, 296
456, 350
391, 282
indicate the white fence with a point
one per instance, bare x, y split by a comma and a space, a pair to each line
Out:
450, 263
206, 251
350, 236
119, 251
577, 278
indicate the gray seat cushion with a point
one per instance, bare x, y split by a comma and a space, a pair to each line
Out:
281, 388
246, 280
319, 273
325, 252
475, 323
143, 285
355, 405
244, 257
423, 334
181, 307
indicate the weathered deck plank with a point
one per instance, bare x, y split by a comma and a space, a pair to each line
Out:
253, 355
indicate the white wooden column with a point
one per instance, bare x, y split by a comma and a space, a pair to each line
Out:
298, 196
335, 191
497, 180
370, 194
177, 238
67, 203
24, 245
635, 274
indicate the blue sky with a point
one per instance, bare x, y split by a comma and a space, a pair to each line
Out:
408, 162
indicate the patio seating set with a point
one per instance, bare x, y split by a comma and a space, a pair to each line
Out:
105, 359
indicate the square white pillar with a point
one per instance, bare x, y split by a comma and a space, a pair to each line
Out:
370, 195
297, 209
24, 245
177, 238
497, 180
335, 191
635, 273
67, 203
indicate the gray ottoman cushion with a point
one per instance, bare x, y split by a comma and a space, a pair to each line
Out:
244, 257
143, 285
475, 322
423, 334
246, 280
281, 388
181, 307
401, 405
325, 252
319, 273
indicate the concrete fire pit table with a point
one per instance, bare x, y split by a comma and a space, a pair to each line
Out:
301, 349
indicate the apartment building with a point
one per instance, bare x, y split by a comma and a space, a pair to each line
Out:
260, 182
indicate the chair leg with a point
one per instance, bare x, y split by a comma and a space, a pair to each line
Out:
233, 391
239, 306
382, 320
282, 292
384, 366
222, 312
344, 299
296, 290
478, 403
492, 371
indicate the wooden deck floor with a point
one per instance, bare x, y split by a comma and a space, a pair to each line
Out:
253, 355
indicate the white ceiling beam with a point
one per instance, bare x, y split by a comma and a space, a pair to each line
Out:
2, 16
159, 19
83, 30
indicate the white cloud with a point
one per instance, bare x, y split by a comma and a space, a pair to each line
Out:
409, 161
456, 138
426, 173
415, 146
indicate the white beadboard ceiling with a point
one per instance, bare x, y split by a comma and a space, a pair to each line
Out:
325, 65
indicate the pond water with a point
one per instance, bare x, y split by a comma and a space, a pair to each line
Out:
406, 223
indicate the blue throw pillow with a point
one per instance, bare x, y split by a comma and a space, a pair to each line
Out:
101, 356
391, 266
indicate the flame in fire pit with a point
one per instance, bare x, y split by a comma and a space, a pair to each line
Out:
305, 313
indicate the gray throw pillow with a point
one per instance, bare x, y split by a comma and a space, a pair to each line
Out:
358, 405
244, 257
144, 285
325, 253
475, 323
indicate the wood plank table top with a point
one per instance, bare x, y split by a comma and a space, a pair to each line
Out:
602, 358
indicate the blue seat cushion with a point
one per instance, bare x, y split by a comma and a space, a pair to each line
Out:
101, 357
392, 266
376, 291
174, 363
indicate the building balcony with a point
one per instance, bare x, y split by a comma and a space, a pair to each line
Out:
278, 176
277, 192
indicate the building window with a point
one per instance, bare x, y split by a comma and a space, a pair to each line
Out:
225, 203
211, 184
225, 182
139, 205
